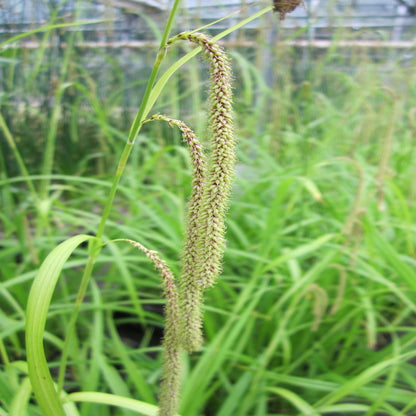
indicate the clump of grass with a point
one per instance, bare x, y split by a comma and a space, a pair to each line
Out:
314, 312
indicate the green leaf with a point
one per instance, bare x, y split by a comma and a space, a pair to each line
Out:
365, 377
298, 402
49, 27
112, 400
21, 399
36, 312
390, 255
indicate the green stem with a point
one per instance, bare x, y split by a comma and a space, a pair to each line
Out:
144, 110
119, 172
51, 137
138, 121
19, 160
50, 144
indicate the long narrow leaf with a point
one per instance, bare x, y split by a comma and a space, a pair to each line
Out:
297, 401
113, 400
37, 309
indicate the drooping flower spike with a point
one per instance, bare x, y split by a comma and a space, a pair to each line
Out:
202, 258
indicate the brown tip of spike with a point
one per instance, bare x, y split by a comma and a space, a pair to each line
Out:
285, 6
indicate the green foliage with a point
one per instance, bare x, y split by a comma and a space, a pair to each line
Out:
314, 311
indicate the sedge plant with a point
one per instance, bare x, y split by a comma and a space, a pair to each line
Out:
310, 283
203, 242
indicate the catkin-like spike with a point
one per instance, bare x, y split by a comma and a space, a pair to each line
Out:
169, 390
204, 239
211, 228
190, 292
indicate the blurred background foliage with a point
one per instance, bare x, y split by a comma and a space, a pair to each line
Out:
315, 311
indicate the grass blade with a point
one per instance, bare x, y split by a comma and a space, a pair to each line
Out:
36, 312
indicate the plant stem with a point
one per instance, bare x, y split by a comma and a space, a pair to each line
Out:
23, 170
138, 121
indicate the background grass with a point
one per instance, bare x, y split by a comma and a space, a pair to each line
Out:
315, 311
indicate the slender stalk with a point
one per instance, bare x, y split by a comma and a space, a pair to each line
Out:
386, 149
51, 137
119, 172
50, 143
11, 142
138, 121
3, 353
